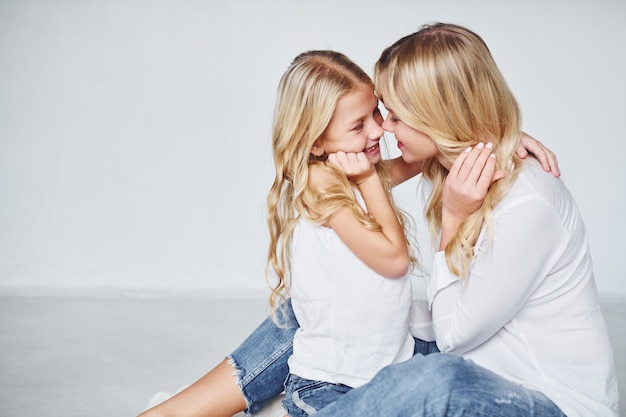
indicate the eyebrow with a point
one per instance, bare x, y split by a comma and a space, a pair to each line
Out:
360, 118
356, 120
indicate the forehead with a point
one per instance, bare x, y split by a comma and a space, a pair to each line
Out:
356, 104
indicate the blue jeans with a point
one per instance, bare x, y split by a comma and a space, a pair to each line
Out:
430, 384
304, 397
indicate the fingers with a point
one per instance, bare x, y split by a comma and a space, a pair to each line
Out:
332, 158
522, 152
484, 167
549, 162
487, 175
546, 157
475, 166
498, 175
352, 164
468, 182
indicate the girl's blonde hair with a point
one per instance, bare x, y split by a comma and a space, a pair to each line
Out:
443, 82
308, 93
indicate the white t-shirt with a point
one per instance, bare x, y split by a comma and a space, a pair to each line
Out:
529, 310
353, 321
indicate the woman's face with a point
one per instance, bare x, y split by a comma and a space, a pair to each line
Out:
414, 145
354, 127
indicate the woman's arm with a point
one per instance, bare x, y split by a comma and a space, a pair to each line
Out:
468, 311
385, 250
504, 274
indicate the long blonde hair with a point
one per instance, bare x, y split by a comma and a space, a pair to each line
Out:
308, 93
443, 82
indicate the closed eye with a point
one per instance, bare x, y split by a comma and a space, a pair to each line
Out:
358, 127
392, 116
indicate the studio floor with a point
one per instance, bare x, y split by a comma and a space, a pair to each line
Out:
107, 356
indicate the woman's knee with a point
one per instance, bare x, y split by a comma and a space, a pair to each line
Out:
434, 373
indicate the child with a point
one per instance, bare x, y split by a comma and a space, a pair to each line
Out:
337, 246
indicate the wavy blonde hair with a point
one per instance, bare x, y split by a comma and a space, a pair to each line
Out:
308, 93
443, 82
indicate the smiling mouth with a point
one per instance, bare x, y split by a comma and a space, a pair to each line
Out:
371, 148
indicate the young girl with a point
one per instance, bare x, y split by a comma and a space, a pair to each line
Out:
337, 245
335, 231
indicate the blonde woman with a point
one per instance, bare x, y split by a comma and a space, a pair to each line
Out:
512, 295
337, 249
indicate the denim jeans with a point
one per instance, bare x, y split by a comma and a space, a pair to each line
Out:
261, 360
304, 397
430, 384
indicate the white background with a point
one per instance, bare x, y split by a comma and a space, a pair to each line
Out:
135, 135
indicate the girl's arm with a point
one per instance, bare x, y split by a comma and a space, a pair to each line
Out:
385, 251
544, 155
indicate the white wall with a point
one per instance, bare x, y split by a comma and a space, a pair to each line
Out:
134, 135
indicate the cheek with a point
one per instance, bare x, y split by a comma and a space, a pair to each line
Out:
419, 145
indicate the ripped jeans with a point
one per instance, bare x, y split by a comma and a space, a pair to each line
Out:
430, 384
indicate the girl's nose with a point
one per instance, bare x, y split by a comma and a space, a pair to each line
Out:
376, 131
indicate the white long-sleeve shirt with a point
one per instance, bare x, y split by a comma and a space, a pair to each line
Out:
529, 309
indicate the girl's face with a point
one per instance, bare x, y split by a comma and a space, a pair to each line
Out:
414, 145
354, 127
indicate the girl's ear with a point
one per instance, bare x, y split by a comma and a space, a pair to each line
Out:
317, 149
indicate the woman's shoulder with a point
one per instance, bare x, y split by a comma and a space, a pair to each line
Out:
533, 176
535, 184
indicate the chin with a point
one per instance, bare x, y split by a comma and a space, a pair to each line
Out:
408, 158
374, 159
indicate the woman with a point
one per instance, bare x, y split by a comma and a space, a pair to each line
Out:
519, 338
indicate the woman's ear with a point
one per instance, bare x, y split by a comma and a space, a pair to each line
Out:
317, 149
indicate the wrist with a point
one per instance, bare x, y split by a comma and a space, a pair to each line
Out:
450, 222
363, 179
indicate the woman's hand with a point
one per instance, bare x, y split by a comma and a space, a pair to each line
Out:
355, 165
543, 154
465, 188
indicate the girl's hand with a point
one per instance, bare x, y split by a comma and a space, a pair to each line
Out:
543, 154
355, 165
466, 186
